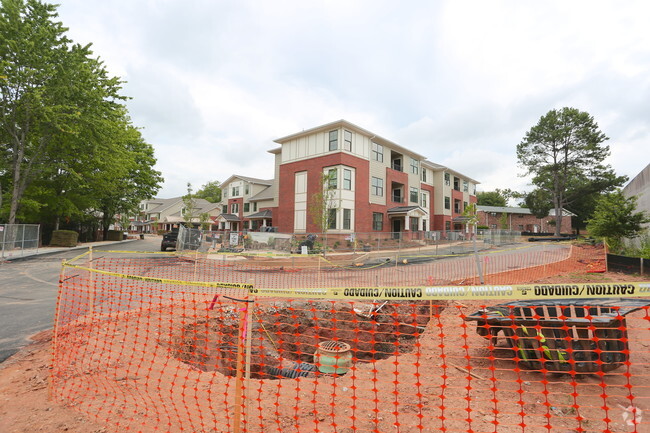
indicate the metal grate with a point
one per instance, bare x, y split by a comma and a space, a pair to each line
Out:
334, 346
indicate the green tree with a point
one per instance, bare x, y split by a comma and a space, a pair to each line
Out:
211, 192
615, 218
123, 174
50, 89
539, 201
564, 150
490, 198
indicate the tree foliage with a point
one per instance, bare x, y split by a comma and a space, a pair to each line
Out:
68, 147
539, 201
615, 218
565, 154
189, 207
211, 192
490, 198
322, 204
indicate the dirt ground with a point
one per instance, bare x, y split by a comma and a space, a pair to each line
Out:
25, 406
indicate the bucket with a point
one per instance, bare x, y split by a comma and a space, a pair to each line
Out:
333, 357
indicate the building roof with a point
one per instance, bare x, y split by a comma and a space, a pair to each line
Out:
265, 194
162, 204
375, 138
518, 210
344, 123
248, 179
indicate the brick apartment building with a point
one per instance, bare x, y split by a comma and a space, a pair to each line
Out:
521, 219
373, 184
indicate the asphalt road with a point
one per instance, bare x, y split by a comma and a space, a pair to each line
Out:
28, 292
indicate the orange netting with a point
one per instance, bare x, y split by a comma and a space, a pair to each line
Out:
139, 348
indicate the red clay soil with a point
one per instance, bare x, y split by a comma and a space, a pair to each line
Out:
25, 406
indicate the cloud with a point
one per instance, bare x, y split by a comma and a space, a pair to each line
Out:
214, 82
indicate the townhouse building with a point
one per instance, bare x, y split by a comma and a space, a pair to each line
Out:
372, 185
522, 220
247, 203
165, 214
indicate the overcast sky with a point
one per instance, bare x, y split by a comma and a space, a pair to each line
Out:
215, 82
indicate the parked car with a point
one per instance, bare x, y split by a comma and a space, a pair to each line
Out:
169, 240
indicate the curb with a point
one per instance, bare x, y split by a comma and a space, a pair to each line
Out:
49, 251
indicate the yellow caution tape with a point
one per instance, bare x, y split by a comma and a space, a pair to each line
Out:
529, 291
219, 285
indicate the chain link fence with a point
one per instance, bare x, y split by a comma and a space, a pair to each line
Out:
426, 242
16, 239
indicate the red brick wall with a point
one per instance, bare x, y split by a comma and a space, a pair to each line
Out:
314, 168
528, 221
399, 177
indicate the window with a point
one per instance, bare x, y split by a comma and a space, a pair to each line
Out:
424, 175
334, 140
447, 225
447, 182
377, 187
377, 221
465, 186
235, 191
347, 179
457, 208
246, 225
254, 206
377, 152
234, 208
332, 179
347, 219
347, 140
331, 219
456, 183
464, 205
225, 192
246, 189
247, 207
224, 208
423, 200
415, 165
447, 203
413, 195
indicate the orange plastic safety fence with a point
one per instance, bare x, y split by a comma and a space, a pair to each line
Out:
153, 356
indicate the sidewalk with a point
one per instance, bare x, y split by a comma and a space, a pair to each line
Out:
9, 256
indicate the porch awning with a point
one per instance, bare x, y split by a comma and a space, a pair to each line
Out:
265, 214
228, 217
461, 219
407, 211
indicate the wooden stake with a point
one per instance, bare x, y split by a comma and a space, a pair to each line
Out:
464, 370
50, 381
243, 354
